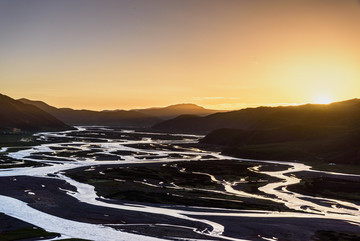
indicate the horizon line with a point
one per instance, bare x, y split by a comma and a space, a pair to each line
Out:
241, 106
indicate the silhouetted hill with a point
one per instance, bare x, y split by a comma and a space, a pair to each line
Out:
39, 104
176, 110
236, 137
304, 143
346, 113
88, 117
25, 117
322, 133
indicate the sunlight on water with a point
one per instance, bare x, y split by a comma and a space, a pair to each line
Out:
77, 140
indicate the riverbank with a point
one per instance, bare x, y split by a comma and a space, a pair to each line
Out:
137, 186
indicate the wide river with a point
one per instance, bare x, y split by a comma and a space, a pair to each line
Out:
302, 207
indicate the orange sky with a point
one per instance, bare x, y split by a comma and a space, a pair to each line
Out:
227, 54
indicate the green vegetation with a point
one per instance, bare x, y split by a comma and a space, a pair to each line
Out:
73, 239
179, 183
281, 152
314, 145
328, 187
335, 236
340, 168
27, 233
18, 140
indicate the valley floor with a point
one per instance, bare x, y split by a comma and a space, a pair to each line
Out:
99, 183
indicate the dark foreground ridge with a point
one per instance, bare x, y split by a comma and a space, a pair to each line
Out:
322, 145
344, 114
16, 116
310, 133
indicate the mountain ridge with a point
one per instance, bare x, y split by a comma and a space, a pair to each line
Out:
338, 113
90, 117
128, 118
173, 111
311, 133
18, 116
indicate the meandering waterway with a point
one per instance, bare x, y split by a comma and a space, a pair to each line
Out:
300, 206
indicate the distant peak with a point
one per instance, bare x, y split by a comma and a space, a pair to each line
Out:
184, 106
28, 100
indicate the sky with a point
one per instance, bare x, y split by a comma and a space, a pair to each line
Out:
220, 54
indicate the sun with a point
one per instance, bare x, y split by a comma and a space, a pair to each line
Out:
323, 99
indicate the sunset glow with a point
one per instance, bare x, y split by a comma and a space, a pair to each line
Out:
323, 99
146, 120
219, 54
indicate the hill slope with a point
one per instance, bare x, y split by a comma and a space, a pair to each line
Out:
313, 144
322, 134
173, 111
88, 117
346, 113
131, 118
15, 114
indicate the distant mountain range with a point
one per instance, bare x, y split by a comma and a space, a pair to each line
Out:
131, 118
15, 116
88, 117
314, 133
28, 115
323, 133
173, 111
346, 113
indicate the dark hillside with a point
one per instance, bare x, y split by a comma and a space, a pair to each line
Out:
17, 116
341, 114
88, 117
315, 143
173, 111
